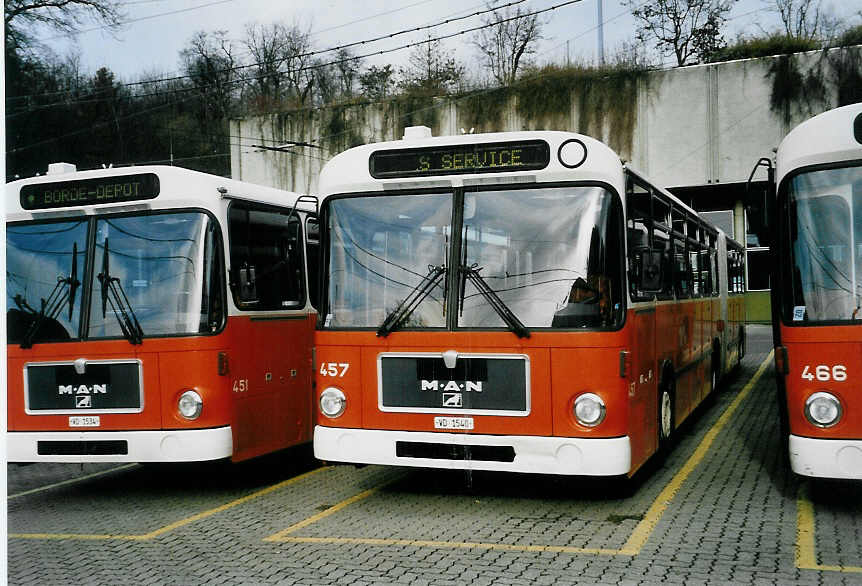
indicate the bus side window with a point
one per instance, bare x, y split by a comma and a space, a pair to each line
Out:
638, 227
266, 259
682, 275
662, 244
212, 301
312, 259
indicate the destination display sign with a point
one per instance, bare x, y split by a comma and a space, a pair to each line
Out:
81, 192
530, 155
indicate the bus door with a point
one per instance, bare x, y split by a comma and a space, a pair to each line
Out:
271, 365
643, 385
645, 320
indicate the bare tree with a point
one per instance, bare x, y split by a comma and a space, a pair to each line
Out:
209, 62
802, 19
508, 40
429, 70
65, 16
337, 79
687, 29
377, 83
282, 59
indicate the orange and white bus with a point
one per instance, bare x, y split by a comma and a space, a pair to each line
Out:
515, 301
156, 314
817, 293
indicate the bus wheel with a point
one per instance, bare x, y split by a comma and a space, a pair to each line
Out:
715, 367
665, 416
713, 378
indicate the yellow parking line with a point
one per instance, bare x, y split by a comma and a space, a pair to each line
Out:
70, 481
175, 525
806, 551
280, 536
632, 547
449, 544
654, 514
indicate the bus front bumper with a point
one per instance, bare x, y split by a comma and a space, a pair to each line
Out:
528, 454
826, 458
187, 445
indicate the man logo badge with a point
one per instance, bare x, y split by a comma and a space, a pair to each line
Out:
452, 400
83, 401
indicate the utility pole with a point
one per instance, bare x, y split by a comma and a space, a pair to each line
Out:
601, 33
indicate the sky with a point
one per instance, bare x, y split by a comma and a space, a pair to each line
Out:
157, 30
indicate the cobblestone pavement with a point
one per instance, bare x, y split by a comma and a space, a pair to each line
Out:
721, 509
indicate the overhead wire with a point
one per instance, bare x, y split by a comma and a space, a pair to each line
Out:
311, 67
312, 53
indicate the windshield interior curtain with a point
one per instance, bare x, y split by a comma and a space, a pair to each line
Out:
823, 223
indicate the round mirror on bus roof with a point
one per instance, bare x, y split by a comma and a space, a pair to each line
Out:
572, 153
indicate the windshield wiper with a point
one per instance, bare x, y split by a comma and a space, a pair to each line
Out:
113, 293
64, 291
403, 310
471, 273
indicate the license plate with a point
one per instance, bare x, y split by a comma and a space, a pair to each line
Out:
453, 423
84, 421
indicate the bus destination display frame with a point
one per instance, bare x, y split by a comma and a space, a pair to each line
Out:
95, 191
460, 159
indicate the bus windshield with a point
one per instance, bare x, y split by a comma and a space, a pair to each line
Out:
39, 257
157, 269
549, 257
824, 220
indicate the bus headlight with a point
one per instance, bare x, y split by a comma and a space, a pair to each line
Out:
332, 402
823, 409
589, 409
190, 404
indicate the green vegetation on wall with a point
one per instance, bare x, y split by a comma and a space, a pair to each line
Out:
605, 97
412, 109
484, 110
807, 92
338, 131
776, 44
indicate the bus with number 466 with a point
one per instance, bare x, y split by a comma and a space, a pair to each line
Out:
518, 302
817, 292
156, 314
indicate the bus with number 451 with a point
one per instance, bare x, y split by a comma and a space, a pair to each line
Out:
518, 302
156, 314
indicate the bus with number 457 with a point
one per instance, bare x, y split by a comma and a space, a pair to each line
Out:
156, 314
518, 302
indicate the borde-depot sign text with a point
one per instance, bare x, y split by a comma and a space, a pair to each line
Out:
89, 191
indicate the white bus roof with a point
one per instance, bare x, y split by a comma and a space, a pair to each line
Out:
177, 187
349, 171
829, 137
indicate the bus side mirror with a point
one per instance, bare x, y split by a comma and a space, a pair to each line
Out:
247, 285
756, 200
651, 270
